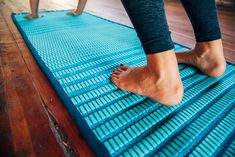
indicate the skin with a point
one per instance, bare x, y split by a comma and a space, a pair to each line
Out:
151, 80
206, 56
80, 7
159, 79
34, 4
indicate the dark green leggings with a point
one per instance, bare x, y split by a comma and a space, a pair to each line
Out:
149, 20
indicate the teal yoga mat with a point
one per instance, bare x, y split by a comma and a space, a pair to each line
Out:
78, 54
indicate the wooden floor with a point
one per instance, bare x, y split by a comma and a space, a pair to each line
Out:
33, 121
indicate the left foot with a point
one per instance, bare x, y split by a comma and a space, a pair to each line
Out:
32, 16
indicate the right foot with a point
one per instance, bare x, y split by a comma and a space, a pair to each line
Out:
207, 56
158, 80
75, 13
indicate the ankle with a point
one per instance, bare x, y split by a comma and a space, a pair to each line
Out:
203, 47
160, 61
163, 66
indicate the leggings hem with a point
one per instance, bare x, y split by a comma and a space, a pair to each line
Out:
209, 38
157, 47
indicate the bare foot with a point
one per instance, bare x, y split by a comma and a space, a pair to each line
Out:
207, 56
33, 16
158, 80
75, 13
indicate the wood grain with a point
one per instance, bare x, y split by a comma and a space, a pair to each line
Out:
28, 128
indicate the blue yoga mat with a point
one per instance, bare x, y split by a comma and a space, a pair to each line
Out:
78, 54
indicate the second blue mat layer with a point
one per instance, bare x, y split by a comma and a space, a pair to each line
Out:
78, 55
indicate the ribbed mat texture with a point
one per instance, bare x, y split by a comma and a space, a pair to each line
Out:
78, 55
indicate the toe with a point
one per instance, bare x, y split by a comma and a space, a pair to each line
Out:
114, 75
123, 67
115, 80
29, 16
117, 72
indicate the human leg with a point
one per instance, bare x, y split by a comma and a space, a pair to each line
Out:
208, 52
34, 4
159, 79
80, 7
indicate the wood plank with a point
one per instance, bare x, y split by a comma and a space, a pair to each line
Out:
54, 105
6, 146
27, 118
